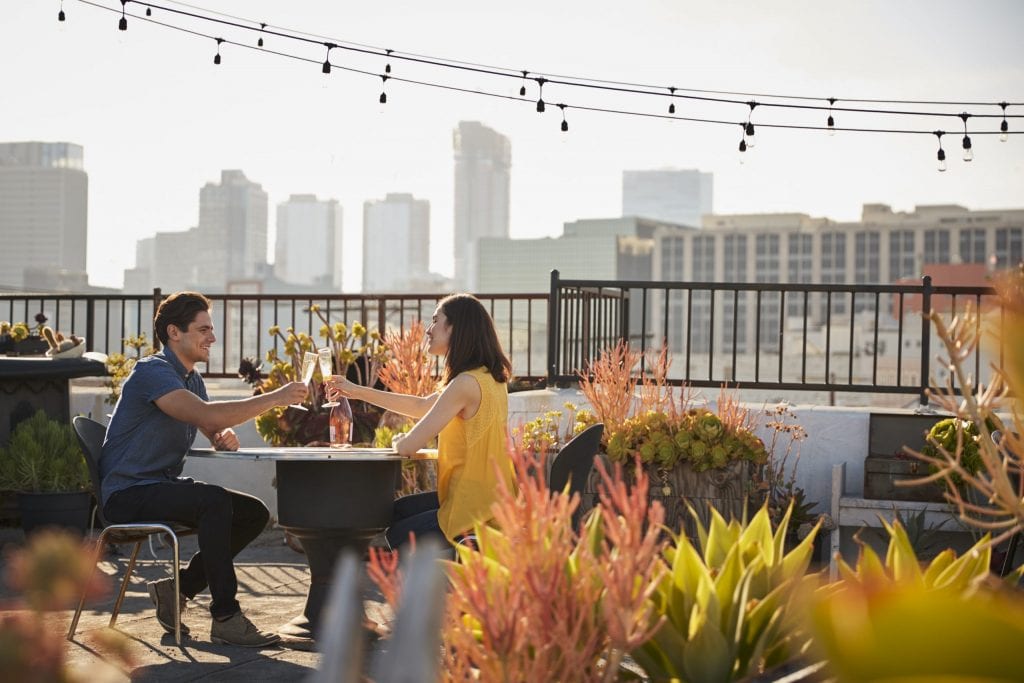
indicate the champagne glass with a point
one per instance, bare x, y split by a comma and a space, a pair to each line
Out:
326, 370
308, 368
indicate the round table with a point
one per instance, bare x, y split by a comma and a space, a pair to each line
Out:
331, 499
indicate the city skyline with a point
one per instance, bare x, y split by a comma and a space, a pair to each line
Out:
157, 119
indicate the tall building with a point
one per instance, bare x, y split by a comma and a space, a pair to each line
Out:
396, 243
674, 196
43, 205
882, 248
232, 230
309, 242
483, 163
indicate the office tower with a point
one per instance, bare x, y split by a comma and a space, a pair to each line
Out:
674, 196
43, 204
483, 161
396, 243
232, 231
308, 246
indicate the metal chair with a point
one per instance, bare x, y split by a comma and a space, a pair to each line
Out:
90, 435
572, 464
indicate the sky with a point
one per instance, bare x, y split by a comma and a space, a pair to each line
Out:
158, 119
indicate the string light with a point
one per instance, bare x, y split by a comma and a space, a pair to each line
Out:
123, 24
743, 140
831, 122
565, 124
748, 130
387, 67
578, 82
1004, 127
327, 60
60, 14
968, 152
941, 155
383, 99
671, 104
149, 11
216, 57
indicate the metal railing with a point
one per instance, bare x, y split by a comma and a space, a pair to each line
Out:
242, 321
785, 337
788, 337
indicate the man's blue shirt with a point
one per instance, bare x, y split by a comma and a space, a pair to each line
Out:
145, 445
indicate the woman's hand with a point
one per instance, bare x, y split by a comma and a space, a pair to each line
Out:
339, 386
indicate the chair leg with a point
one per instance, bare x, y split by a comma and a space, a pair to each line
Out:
124, 583
81, 603
177, 590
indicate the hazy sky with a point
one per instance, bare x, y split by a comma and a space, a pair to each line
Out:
158, 119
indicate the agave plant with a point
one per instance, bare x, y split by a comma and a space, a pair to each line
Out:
896, 619
727, 602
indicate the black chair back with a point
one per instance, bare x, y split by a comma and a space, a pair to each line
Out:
90, 435
573, 463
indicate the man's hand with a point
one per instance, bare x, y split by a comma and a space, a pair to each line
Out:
225, 440
293, 392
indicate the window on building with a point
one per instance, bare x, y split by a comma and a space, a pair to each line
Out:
901, 255
936, 246
972, 245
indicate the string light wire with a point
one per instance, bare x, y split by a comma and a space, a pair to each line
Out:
268, 29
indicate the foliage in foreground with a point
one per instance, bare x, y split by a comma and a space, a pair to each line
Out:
896, 619
51, 573
728, 602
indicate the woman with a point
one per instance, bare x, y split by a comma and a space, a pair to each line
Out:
470, 414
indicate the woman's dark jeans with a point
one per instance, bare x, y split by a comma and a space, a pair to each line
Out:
415, 514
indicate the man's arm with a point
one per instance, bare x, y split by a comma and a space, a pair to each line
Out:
212, 417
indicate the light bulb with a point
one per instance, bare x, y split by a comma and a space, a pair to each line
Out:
1004, 135
750, 135
831, 125
968, 152
942, 159
540, 105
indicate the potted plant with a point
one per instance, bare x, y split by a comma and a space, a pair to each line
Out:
18, 339
694, 456
45, 465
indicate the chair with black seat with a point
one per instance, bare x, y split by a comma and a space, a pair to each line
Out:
573, 463
90, 435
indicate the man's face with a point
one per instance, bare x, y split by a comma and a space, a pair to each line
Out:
192, 345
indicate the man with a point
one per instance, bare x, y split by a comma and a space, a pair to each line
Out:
163, 403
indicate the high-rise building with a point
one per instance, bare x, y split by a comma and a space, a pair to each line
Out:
232, 230
43, 204
483, 162
671, 195
396, 243
309, 242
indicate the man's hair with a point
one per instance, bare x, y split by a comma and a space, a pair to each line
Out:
474, 342
179, 309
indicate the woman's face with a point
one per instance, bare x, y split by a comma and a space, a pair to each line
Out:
439, 333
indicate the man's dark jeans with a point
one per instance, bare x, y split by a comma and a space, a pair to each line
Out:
227, 522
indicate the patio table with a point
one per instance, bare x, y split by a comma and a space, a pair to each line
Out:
331, 500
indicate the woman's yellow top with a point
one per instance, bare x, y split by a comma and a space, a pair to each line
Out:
470, 455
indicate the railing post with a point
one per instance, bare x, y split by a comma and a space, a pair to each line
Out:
554, 308
157, 298
926, 337
90, 323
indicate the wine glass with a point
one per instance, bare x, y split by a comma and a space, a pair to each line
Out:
308, 368
326, 370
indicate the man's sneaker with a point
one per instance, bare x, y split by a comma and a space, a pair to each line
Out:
162, 594
238, 630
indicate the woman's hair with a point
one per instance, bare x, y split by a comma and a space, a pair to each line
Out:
179, 309
473, 342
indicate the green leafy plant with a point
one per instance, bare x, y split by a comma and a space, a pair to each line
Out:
728, 603
119, 366
545, 433
899, 619
954, 435
42, 457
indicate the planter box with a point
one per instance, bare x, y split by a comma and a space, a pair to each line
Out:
32, 346
882, 475
724, 489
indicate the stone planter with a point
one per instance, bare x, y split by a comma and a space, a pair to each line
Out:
883, 476
31, 346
